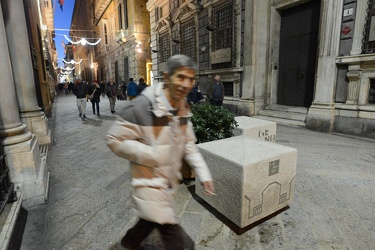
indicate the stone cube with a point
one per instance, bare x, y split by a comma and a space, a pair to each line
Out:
253, 178
257, 128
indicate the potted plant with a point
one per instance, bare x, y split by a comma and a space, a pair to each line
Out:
210, 123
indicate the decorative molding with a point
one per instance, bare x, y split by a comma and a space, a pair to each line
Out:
163, 23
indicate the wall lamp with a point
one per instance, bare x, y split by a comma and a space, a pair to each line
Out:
176, 40
154, 50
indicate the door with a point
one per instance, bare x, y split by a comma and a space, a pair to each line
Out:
298, 54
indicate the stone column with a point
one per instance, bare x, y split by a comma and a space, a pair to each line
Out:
19, 50
322, 112
27, 168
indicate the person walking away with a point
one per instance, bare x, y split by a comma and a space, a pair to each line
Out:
102, 88
124, 87
161, 112
66, 88
194, 95
80, 90
111, 92
141, 85
95, 88
119, 92
215, 91
132, 89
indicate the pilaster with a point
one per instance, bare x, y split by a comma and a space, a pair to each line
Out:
322, 112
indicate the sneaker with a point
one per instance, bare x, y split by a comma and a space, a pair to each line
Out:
80, 114
98, 114
93, 112
84, 116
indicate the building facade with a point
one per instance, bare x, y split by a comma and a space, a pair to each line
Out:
123, 28
27, 70
296, 59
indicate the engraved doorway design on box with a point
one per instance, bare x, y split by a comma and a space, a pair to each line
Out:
282, 197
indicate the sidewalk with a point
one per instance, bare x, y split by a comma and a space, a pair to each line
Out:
90, 206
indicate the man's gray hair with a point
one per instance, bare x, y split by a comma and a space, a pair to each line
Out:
178, 61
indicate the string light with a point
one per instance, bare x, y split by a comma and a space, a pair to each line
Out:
83, 41
72, 62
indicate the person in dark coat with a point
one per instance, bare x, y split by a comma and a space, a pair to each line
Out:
80, 90
194, 95
141, 85
215, 91
111, 92
95, 88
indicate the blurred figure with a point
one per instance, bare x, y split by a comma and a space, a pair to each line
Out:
102, 88
161, 112
132, 89
215, 91
111, 92
141, 85
95, 90
80, 90
194, 95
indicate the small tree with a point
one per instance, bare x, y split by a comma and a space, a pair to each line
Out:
212, 123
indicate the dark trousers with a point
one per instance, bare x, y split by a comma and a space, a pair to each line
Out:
95, 103
172, 234
217, 102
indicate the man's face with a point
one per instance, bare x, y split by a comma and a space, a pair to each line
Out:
217, 78
181, 82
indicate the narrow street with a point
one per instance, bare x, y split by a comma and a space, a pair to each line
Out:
89, 202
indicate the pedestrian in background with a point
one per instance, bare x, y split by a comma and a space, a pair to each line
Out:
80, 90
215, 91
161, 111
141, 85
102, 88
132, 89
95, 90
195, 95
111, 92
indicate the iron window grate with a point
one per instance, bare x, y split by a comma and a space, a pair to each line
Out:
188, 40
164, 47
224, 35
368, 42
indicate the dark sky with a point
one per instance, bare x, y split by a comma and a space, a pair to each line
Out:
63, 21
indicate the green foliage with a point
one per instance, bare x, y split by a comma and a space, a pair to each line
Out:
212, 123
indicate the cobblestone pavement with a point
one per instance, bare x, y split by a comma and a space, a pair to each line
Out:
89, 204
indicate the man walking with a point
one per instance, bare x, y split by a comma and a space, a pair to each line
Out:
155, 135
215, 91
111, 92
80, 90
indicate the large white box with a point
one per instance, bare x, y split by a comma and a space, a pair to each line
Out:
256, 128
253, 178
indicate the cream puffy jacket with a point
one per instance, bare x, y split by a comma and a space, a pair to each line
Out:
155, 141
